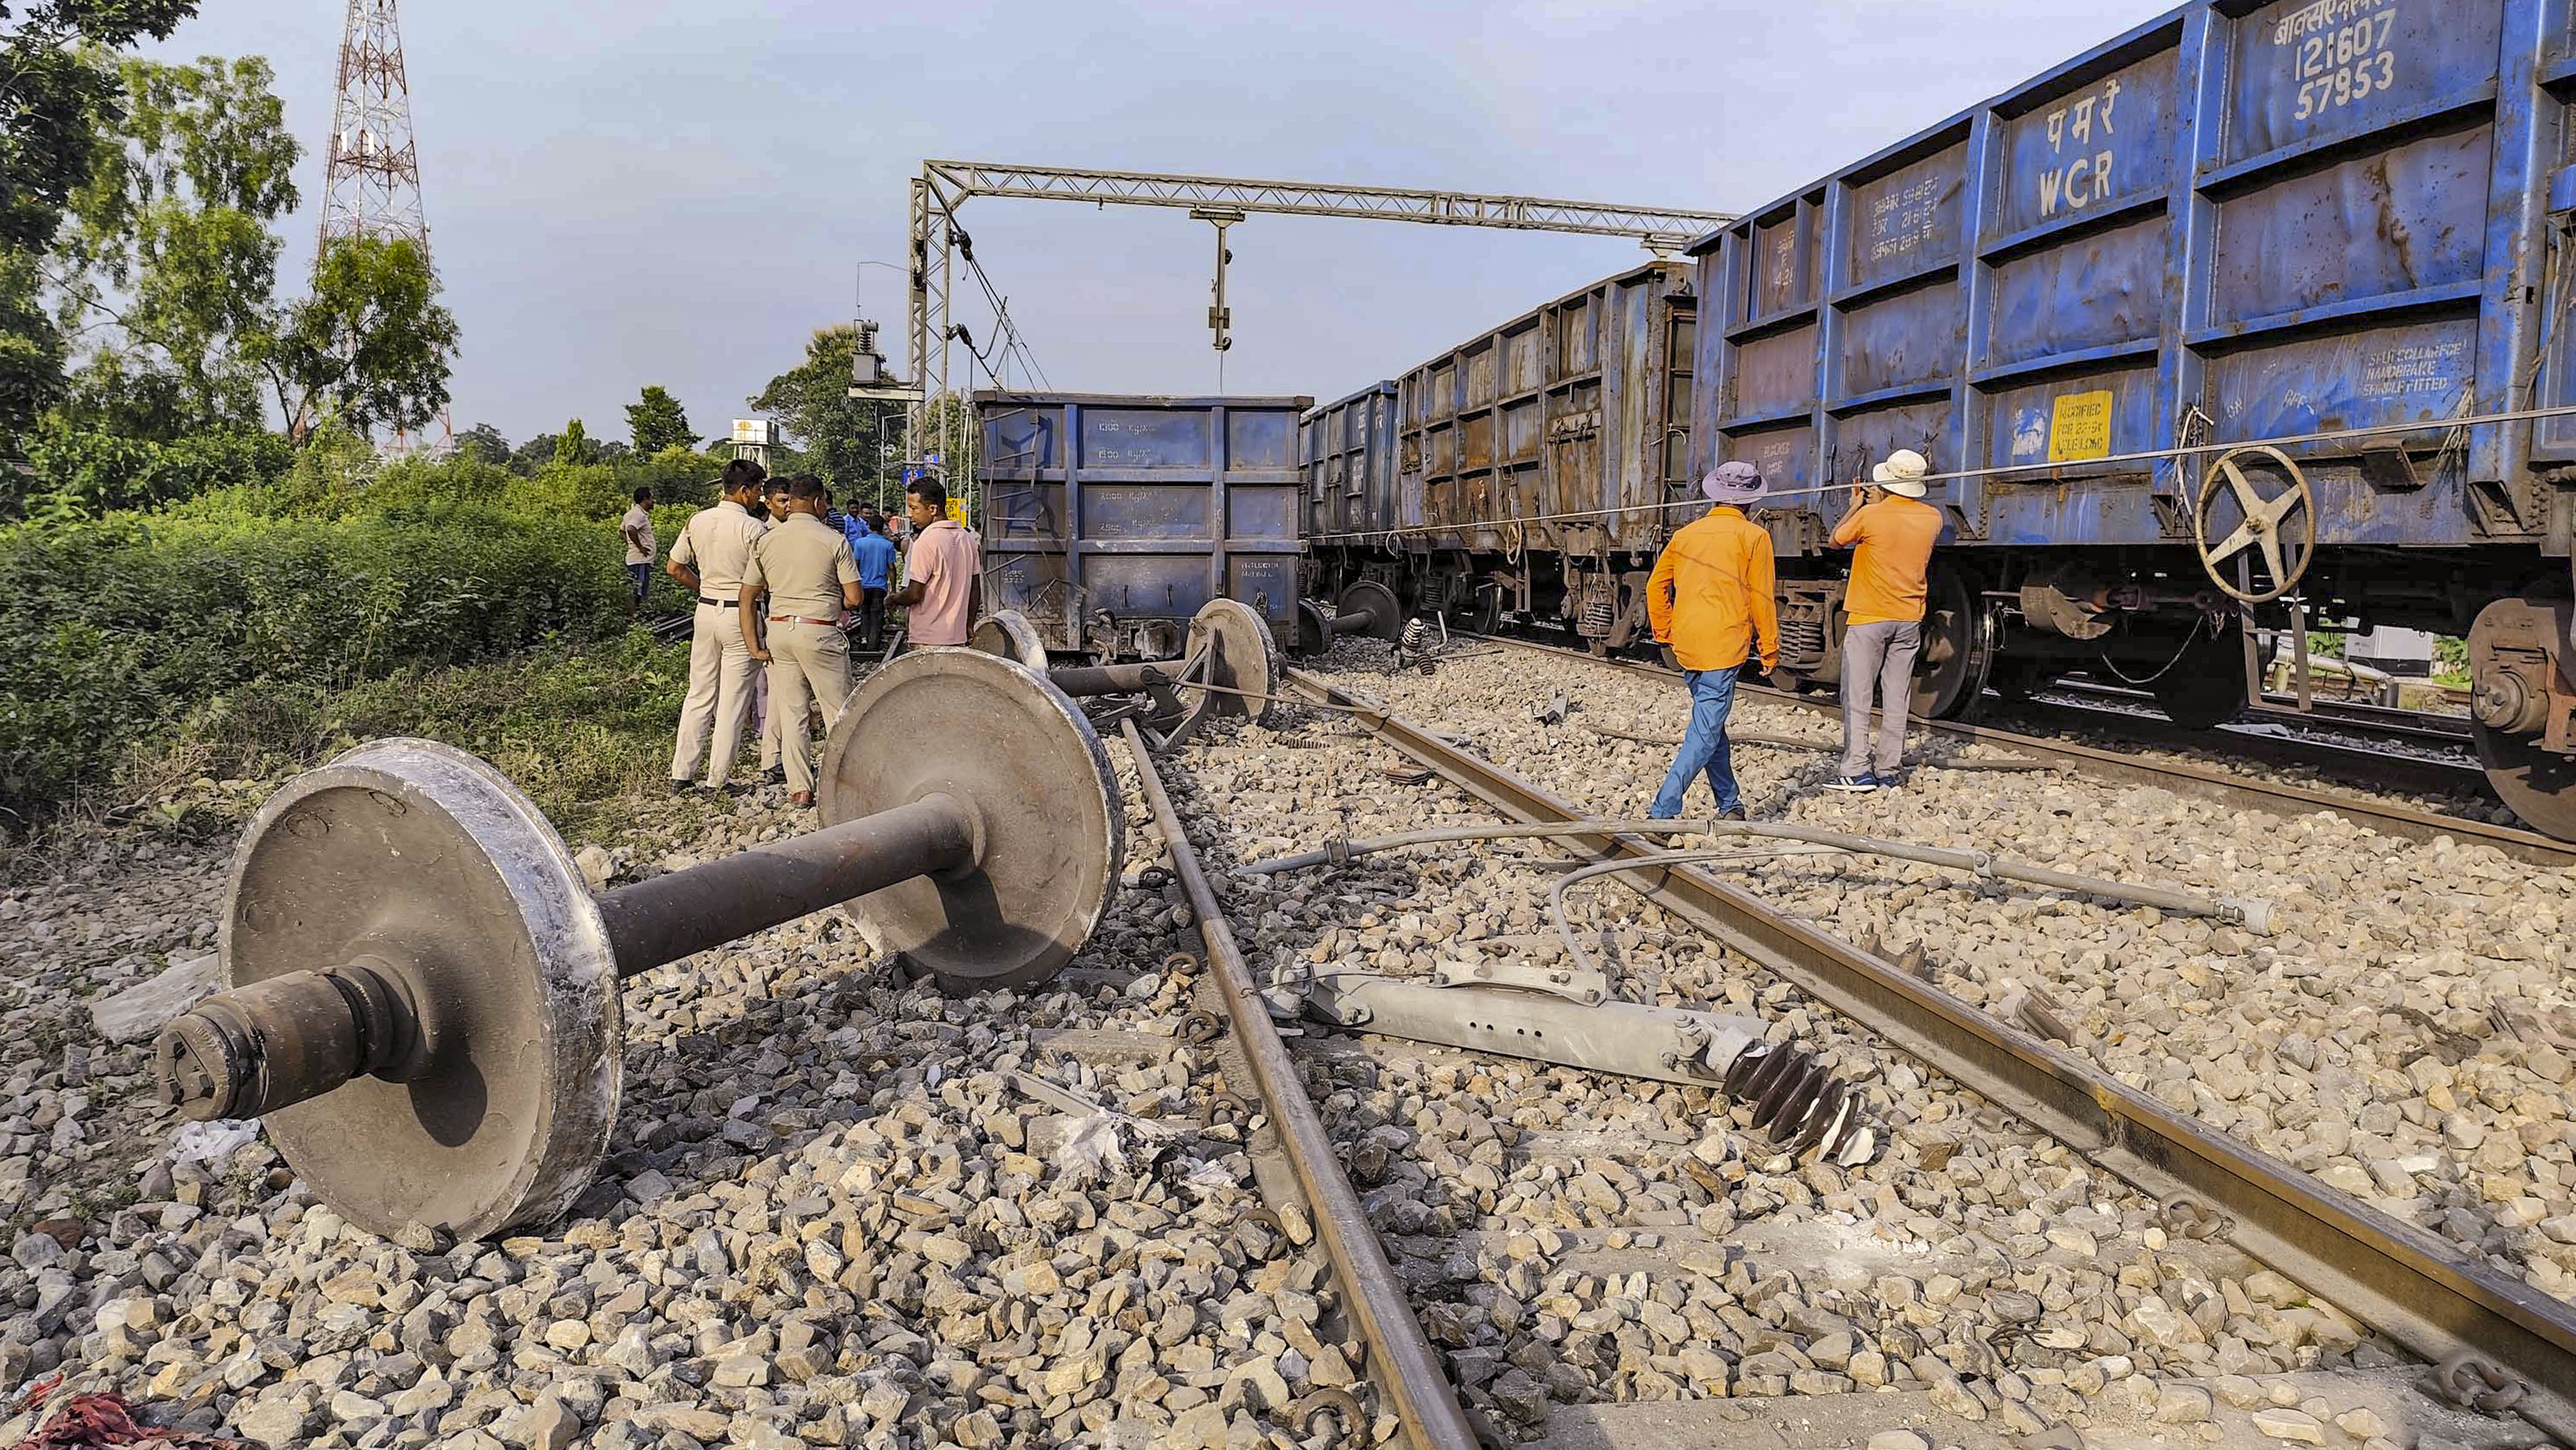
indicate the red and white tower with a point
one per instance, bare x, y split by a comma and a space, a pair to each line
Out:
372, 185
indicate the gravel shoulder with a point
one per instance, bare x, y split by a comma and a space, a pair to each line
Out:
838, 1209
835, 1213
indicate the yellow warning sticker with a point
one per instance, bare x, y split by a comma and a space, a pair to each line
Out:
957, 506
2079, 427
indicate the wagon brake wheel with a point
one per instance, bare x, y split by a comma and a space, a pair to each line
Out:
2283, 527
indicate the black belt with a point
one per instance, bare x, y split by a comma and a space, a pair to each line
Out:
719, 603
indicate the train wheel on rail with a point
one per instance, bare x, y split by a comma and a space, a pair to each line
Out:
2204, 687
1958, 648
2015, 678
2509, 653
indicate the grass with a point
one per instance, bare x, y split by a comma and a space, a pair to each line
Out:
581, 728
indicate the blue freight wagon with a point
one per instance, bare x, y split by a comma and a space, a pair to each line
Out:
1527, 470
1109, 520
2245, 309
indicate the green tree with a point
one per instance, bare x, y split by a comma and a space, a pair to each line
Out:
573, 445
166, 257
836, 436
31, 346
534, 454
373, 342
658, 422
483, 443
58, 85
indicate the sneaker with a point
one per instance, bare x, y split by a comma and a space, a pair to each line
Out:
775, 775
731, 788
1861, 784
1890, 781
681, 787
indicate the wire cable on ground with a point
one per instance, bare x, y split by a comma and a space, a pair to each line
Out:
2256, 915
2338, 435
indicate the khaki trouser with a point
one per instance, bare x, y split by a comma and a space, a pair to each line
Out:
1878, 655
807, 661
719, 694
764, 709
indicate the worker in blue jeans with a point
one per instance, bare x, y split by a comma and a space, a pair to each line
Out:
1710, 601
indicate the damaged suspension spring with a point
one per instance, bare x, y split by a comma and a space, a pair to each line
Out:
1797, 1103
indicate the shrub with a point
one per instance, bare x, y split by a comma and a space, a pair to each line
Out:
124, 625
160, 581
574, 727
76, 474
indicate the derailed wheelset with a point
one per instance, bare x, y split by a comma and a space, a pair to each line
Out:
1230, 666
424, 993
1367, 609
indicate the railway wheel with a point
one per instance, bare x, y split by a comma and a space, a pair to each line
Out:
2518, 707
2015, 679
1958, 649
2539, 784
2204, 687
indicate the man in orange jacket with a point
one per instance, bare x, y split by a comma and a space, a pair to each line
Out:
1892, 535
1711, 601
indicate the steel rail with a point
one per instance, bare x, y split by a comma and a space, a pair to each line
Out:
2392, 1276
2386, 722
2351, 758
2181, 777
1400, 1354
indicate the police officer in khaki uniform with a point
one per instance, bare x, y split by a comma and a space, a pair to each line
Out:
803, 569
709, 557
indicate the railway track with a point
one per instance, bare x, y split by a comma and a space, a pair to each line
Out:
2380, 722
2200, 781
2422, 1303
2371, 744
1032, 1217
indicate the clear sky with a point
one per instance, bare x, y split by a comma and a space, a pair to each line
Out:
624, 192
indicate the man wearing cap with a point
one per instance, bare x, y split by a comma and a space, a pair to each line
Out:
804, 570
1710, 600
709, 559
1894, 531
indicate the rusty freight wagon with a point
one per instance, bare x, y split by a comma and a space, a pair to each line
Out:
2253, 309
1527, 469
1109, 520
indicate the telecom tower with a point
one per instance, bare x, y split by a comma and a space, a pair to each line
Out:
372, 186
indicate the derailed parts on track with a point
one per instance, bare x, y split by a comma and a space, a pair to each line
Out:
1531, 1013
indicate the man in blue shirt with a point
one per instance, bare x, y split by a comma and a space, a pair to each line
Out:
875, 555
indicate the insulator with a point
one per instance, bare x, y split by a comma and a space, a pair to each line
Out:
1798, 1104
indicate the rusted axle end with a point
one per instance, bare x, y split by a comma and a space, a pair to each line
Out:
276, 1043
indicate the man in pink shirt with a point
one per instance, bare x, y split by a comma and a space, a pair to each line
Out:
941, 589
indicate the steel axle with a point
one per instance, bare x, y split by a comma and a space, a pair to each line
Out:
289, 1039
423, 999
1366, 608
1230, 667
